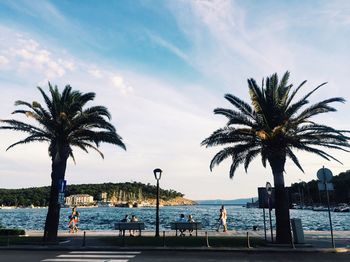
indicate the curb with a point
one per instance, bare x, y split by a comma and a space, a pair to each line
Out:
184, 249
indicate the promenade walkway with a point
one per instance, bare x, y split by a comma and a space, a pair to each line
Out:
315, 240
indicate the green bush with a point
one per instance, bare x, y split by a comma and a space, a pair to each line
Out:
11, 232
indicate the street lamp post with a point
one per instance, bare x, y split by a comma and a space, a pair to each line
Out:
157, 174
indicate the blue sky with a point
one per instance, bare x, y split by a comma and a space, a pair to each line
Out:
161, 67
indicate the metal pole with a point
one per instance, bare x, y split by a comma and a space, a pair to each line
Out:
84, 239
270, 219
299, 195
248, 242
292, 240
264, 224
329, 214
157, 213
206, 238
302, 197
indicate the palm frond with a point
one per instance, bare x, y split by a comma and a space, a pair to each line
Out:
256, 96
240, 105
33, 138
221, 156
99, 110
291, 97
292, 156
236, 161
20, 126
234, 117
46, 99
249, 157
319, 152
84, 145
319, 108
229, 135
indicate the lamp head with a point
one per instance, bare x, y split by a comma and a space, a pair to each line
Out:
157, 173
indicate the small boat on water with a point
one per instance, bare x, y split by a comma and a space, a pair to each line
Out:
320, 208
7, 207
342, 208
296, 206
105, 204
128, 204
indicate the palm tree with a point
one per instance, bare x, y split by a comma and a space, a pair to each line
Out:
65, 123
271, 127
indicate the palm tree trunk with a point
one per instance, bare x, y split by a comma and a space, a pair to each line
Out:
53, 214
283, 231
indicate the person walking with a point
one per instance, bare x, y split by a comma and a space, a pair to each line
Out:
73, 220
222, 219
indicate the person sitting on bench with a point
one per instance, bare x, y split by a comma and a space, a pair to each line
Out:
190, 219
181, 219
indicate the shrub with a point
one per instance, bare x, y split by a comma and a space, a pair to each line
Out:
11, 232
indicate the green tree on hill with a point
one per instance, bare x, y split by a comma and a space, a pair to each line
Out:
39, 196
63, 124
272, 126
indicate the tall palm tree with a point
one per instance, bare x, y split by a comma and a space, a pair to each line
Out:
271, 127
64, 123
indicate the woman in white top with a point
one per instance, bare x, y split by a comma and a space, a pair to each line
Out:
222, 219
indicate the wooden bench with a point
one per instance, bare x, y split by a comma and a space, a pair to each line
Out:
122, 226
186, 226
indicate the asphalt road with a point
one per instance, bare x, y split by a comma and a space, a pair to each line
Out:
154, 256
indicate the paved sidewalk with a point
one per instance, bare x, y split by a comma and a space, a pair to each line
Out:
316, 241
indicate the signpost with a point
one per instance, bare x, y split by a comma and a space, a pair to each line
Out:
61, 198
61, 188
62, 185
269, 192
325, 176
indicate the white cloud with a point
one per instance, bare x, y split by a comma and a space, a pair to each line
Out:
41, 60
336, 12
69, 65
41, 9
221, 44
119, 82
95, 73
28, 56
3, 61
172, 48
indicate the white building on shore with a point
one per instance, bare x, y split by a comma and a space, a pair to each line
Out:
79, 200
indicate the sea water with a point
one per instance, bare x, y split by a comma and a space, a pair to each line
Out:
103, 218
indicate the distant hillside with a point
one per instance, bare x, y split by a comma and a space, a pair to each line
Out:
116, 192
240, 201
